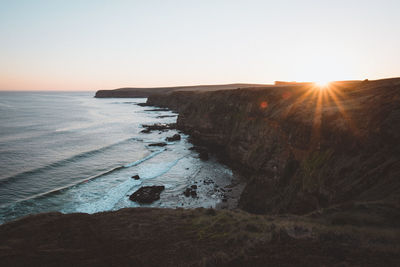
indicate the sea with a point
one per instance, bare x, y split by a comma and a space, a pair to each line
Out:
70, 152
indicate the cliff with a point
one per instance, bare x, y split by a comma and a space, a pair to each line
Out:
131, 92
302, 148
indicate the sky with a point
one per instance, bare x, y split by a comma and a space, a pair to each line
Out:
91, 45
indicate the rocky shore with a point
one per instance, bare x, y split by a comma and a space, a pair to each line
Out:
321, 167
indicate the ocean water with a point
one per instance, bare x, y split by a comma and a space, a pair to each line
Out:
71, 152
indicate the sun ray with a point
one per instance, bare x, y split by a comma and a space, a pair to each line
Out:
342, 110
332, 95
298, 101
316, 125
336, 90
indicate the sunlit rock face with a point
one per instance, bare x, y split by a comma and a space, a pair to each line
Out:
301, 148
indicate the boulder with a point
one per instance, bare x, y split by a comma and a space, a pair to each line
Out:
190, 191
136, 177
147, 194
175, 137
158, 144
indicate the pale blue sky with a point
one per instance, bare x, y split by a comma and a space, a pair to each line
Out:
88, 45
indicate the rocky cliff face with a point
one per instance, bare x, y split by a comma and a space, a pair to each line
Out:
303, 148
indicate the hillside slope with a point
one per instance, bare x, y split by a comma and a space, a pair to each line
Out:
200, 237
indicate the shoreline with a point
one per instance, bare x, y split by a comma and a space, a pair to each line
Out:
230, 193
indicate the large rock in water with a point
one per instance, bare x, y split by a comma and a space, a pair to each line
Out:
158, 144
175, 137
136, 177
147, 194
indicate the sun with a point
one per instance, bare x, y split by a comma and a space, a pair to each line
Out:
322, 84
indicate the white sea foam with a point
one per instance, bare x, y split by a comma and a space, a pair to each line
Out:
119, 192
150, 171
112, 197
155, 153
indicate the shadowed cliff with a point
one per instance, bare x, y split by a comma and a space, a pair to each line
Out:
303, 148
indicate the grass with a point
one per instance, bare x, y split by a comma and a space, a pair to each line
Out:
199, 237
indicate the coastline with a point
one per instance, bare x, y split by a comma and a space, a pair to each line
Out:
95, 173
321, 189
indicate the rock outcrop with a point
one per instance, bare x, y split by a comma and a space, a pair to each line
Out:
158, 127
158, 144
147, 194
175, 137
136, 177
302, 148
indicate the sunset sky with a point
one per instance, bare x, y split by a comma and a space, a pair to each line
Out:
90, 45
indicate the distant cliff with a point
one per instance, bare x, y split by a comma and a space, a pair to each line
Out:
146, 92
303, 148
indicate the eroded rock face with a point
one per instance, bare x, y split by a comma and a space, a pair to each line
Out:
147, 194
301, 148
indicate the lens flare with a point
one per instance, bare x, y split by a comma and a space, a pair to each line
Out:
322, 84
